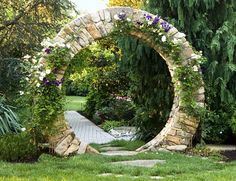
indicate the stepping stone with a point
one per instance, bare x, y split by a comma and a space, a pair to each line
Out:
140, 163
109, 148
119, 153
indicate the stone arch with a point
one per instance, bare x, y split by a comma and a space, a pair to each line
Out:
84, 30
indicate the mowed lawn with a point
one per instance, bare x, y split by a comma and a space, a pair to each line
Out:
90, 167
75, 103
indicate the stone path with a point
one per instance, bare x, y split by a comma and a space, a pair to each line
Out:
85, 130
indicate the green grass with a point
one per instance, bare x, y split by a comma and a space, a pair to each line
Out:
87, 167
127, 145
75, 103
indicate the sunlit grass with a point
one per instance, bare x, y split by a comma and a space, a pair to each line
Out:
88, 167
75, 103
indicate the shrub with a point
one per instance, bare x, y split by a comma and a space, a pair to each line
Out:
110, 124
8, 119
21, 147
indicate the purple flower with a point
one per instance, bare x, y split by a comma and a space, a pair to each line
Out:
48, 50
156, 20
122, 15
148, 17
166, 26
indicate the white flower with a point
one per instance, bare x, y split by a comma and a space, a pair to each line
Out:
180, 35
21, 93
34, 60
42, 74
116, 17
46, 42
38, 85
163, 38
128, 19
27, 57
195, 56
23, 129
149, 22
48, 71
41, 78
27, 78
195, 68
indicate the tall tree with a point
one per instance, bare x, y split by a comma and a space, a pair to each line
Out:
211, 27
24, 23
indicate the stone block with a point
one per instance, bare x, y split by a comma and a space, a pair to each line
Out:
73, 148
174, 139
93, 31
109, 27
172, 32
100, 26
107, 16
179, 148
95, 17
63, 146
200, 98
101, 14
186, 54
85, 34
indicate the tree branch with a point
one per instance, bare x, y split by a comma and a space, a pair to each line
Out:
23, 12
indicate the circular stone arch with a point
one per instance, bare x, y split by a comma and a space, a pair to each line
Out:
86, 29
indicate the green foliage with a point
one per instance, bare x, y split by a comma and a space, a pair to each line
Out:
151, 88
109, 124
9, 122
25, 23
21, 147
12, 72
214, 34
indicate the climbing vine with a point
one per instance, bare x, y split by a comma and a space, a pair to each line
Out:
156, 29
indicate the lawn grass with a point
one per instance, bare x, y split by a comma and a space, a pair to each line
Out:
75, 103
87, 168
127, 145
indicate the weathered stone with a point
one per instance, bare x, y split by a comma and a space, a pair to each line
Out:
109, 27
100, 26
172, 32
200, 98
175, 139
101, 14
107, 16
82, 148
172, 132
67, 29
91, 150
177, 148
93, 31
73, 148
75, 46
63, 146
186, 53
86, 19
95, 17
140, 163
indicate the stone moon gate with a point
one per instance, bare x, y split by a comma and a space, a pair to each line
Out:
180, 127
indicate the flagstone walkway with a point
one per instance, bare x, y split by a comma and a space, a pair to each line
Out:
85, 130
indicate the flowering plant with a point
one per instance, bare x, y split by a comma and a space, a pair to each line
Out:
156, 29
